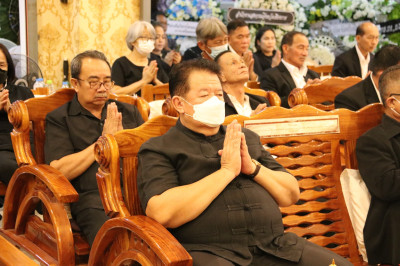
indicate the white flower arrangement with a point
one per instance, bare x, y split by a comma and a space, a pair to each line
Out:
194, 10
321, 54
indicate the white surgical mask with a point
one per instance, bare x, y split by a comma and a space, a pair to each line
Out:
210, 113
145, 47
393, 108
217, 50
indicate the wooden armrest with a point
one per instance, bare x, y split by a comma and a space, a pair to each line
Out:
168, 108
297, 96
11, 255
32, 181
19, 117
273, 98
139, 238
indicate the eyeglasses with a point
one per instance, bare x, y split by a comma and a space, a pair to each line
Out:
96, 84
396, 94
144, 38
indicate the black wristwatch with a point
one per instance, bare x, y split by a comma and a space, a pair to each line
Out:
256, 171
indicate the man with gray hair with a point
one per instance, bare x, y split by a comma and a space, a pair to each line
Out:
378, 158
212, 39
72, 130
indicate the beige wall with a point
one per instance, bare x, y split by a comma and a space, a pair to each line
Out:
67, 29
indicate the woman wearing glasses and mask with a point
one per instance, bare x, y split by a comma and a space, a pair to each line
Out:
9, 93
136, 69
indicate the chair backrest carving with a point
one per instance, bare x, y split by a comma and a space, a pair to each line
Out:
322, 92
151, 93
322, 70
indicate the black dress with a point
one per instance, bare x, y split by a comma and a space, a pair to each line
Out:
8, 164
262, 62
124, 72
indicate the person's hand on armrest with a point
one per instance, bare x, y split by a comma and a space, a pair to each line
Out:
313, 81
261, 107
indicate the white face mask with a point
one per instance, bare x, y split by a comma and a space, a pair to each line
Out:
393, 108
210, 113
217, 50
145, 47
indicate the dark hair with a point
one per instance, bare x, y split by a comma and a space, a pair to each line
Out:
360, 29
260, 33
11, 69
234, 24
388, 81
156, 24
76, 63
179, 75
288, 38
387, 56
216, 59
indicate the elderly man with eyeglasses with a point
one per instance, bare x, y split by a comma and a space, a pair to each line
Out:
72, 130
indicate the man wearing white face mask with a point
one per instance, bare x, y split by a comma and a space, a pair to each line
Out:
378, 155
212, 37
216, 188
138, 68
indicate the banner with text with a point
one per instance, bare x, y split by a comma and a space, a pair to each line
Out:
182, 28
389, 27
266, 16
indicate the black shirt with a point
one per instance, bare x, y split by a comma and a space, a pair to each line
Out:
161, 63
192, 53
15, 93
262, 61
243, 215
124, 72
71, 129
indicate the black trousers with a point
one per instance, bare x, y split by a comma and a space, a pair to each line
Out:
8, 165
90, 221
313, 255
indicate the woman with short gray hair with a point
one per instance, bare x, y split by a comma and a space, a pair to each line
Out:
131, 72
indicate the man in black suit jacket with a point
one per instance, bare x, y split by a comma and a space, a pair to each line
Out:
378, 158
367, 91
291, 72
234, 74
356, 61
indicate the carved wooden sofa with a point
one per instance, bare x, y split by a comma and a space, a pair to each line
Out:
306, 141
310, 152
49, 239
322, 92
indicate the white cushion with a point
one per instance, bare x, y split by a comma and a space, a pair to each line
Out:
155, 108
358, 200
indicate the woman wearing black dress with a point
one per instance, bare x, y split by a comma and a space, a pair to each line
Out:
9, 93
133, 71
267, 55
